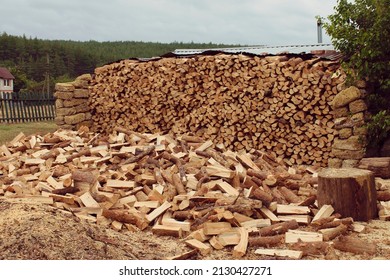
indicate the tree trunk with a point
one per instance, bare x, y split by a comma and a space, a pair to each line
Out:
350, 191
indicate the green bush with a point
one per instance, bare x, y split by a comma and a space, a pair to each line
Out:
361, 31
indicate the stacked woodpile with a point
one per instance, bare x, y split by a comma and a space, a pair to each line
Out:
72, 110
274, 103
209, 197
350, 113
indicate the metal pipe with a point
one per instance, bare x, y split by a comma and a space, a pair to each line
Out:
319, 30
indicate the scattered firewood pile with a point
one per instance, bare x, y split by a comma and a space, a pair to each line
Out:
207, 196
240, 101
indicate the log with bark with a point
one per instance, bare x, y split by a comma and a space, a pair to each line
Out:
350, 191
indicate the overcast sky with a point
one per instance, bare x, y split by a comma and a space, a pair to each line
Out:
246, 22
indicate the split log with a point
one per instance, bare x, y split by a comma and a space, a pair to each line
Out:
332, 233
184, 256
278, 228
350, 191
266, 241
292, 254
126, 217
203, 248
337, 222
355, 245
240, 249
293, 236
311, 248
380, 166
167, 231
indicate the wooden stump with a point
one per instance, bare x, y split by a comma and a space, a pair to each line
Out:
350, 191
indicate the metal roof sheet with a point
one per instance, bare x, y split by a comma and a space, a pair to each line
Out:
319, 50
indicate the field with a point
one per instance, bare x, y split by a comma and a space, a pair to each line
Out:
9, 131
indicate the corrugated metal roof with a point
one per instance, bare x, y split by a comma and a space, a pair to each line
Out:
5, 74
319, 50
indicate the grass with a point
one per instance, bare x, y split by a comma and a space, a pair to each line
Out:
9, 131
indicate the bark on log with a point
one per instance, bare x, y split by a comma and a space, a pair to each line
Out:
355, 245
380, 166
350, 191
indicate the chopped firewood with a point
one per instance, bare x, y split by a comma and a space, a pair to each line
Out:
241, 218
383, 195
355, 245
149, 204
356, 227
231, 237
126, 217
269, 214
227, 188
308, 201
216, 228
278, 228
292, 254
320, 222
301, 219
216, 243
289, 195
337, 222
120, 184
63, 198
203, 248
185, 226
292, 209
332, 233
324, 212
66, 190
266, 241
179, 188
54, 183
184, 256
220, 171
310, 248
293, 236
199, 235
86, 176
240, 249
247, 161
158, 211
115, 225
167, 230
89, 201
379, 165
33, 161
256, 223
156, 196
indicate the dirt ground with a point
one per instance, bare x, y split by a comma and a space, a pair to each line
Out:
30, 232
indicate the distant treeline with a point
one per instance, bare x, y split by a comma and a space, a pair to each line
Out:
30, 59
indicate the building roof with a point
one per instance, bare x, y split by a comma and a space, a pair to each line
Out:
5, 74
319, 50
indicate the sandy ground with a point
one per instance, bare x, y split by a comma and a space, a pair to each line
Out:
29, 232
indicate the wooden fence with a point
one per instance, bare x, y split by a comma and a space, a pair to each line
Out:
26, 107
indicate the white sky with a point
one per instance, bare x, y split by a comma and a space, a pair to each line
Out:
246, 22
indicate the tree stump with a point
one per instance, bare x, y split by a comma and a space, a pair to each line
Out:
350, 191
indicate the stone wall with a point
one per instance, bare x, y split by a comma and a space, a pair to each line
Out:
72, 103
350, 112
